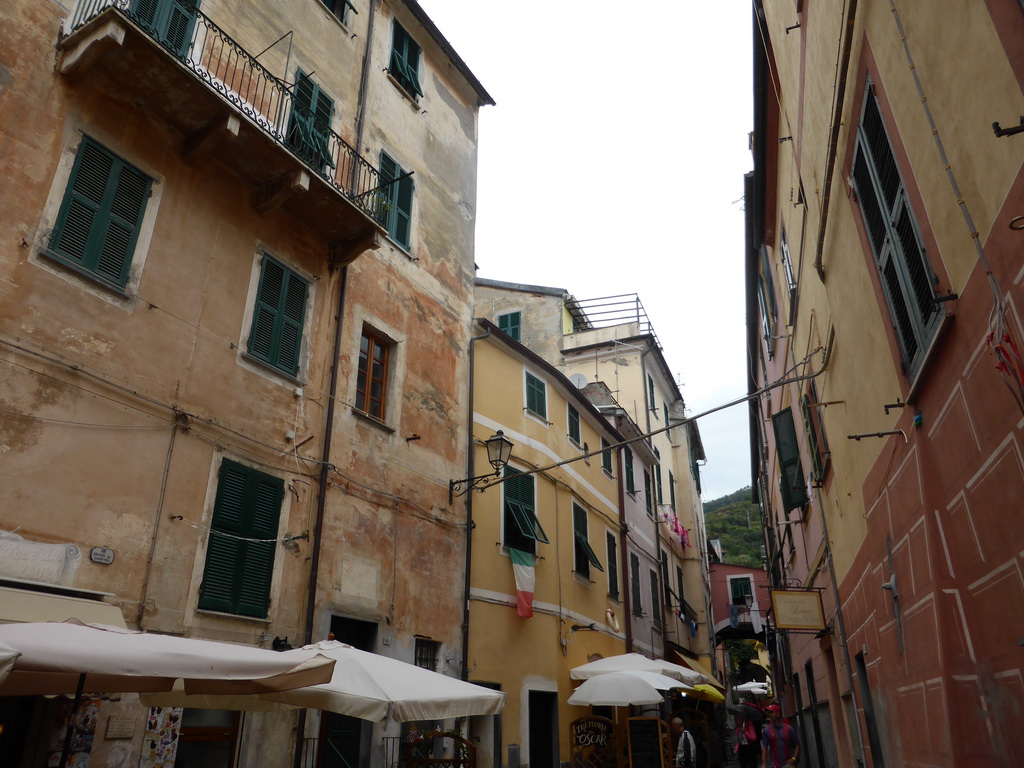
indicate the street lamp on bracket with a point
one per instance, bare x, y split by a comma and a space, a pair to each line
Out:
499, 451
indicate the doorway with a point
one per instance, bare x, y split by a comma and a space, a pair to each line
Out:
345, 740
543, 724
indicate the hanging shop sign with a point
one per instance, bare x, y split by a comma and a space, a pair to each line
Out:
798, 609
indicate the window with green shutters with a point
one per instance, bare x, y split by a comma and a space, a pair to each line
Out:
511, 323
634, 585
652, 402
98, 224
396, 200
792, 482
278, 317
584, 553
739, 589
536, 396
655, 598
611, 552
405, 61
679, 587
627, 460
522, 529
672, 489
573, 418
309, 125
658, 485
648, 498
170, 22
243, 534
908, 282
606, 456
340, 9
817, 440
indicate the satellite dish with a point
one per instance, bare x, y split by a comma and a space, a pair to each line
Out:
579, 380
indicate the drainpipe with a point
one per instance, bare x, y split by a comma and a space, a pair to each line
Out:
470, 450
859, 757
627, 609
833, 139
321, 498
364, 78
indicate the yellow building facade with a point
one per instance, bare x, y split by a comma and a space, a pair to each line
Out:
549, 422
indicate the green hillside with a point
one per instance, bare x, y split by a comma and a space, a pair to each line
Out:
737, 523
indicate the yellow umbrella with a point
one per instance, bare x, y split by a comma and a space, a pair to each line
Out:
706, 692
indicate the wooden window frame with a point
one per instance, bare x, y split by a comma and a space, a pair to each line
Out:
366, 377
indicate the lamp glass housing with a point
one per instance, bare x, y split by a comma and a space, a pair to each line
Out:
499, 450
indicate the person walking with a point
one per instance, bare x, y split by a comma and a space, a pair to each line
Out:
748, 742
780, 746
686, 751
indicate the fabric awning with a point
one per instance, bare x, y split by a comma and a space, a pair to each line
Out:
696, 666
23, 605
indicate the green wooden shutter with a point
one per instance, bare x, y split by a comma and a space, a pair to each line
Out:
634, 585
611, 548
574, 425
792, 483
627, 460
648, 500
278, 317
536, 396
397, 201
170, 22
606, 456
239, 570
510, 323
405, 60
98, 225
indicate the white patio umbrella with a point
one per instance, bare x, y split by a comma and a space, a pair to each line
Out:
364, 685
7, 659
632, 661
620, 689
69, 657
753, 687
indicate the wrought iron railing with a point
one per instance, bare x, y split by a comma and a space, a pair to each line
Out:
589, 314
265, 99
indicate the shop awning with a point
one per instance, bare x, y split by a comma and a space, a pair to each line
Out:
21, 605
696, 666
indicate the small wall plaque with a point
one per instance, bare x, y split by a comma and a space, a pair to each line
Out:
101, 555
120, 726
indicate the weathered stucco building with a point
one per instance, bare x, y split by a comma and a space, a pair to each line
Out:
884, 328
235, 306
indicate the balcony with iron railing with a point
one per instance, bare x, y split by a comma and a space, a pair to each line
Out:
191, 77
610, 312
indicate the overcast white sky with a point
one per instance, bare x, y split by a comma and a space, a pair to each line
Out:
613, 163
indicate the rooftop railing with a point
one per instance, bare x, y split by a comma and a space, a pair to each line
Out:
589, 314
267, 101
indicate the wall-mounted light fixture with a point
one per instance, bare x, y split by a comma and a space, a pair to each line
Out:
499, 451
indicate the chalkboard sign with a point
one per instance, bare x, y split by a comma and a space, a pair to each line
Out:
648, 743
593, 742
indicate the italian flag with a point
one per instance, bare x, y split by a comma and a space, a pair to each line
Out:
526, 578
